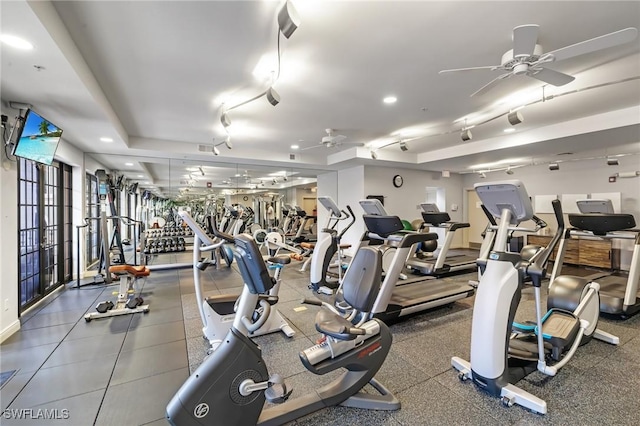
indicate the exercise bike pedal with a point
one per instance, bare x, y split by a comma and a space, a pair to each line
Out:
277, 393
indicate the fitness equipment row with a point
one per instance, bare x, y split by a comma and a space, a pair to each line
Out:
232, 384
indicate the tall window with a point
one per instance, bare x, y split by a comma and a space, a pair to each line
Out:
45, 229
29, 190
92, 232
67, 208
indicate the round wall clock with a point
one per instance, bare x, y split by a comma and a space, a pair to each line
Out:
397, 181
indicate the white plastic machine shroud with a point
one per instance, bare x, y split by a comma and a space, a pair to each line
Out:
490, 317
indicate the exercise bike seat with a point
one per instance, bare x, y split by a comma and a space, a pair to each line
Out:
336, 326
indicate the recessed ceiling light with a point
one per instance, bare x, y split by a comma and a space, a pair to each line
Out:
509, 130
128, 164
107, 140
390, 100
295, 146
17, 42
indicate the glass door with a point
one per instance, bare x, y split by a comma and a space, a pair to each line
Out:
45, 229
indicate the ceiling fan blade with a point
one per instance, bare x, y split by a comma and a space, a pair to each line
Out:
491, 67
525, 38
552, 77
490, 85
594, 44
321, 145
337, 139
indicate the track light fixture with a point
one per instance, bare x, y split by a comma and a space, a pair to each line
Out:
466, 135
216, 151
288, 20
483, 175
509, 171
612, 162
554, 166
227, 142
272, 96
201, 171
515, 117
225, 120
403, 146
374, 154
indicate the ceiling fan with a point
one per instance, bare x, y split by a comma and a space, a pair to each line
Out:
332, 140
527, 57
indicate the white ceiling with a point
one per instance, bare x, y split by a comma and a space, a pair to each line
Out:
151, 75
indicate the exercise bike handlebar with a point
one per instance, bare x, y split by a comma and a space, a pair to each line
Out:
253, 326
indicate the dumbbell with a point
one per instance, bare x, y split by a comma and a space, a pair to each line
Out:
103, 307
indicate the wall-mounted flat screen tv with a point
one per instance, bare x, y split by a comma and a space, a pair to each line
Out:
38, 140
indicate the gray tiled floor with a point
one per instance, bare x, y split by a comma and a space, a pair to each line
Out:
124, 370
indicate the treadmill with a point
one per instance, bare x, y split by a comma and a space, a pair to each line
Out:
446, 261
394, 301
619, 295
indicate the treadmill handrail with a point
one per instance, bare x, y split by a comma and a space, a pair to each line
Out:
627, 234
406, 238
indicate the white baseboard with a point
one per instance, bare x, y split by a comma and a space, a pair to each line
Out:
8, 331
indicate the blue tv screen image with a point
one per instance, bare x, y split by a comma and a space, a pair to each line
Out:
39, 139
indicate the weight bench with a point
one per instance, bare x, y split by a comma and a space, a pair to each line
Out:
126, 302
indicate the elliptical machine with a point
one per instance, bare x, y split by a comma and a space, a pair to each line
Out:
503, 353
231, 385
218, 312
325, 249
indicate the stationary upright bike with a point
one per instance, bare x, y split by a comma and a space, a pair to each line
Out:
231, 385
502, 352
218, 312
